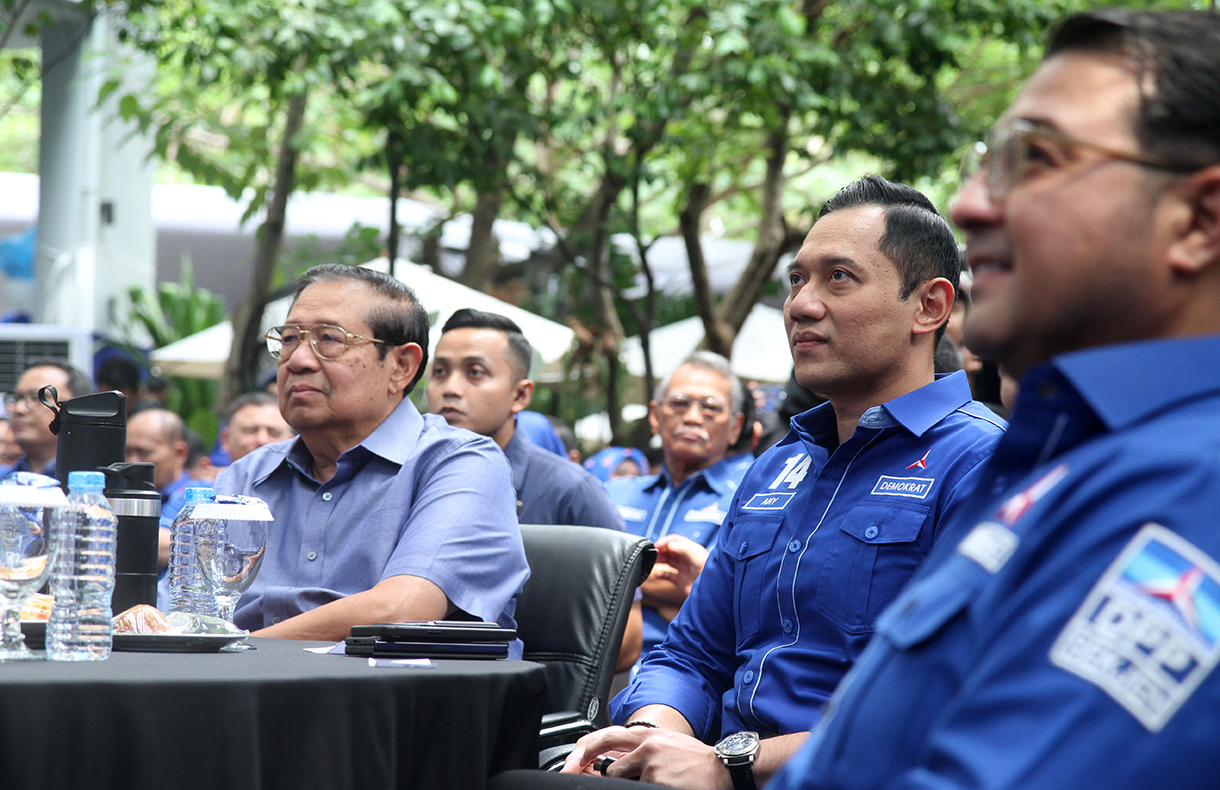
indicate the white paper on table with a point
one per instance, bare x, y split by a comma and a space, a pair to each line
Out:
422, 663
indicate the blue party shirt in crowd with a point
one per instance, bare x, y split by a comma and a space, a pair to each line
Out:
416, 497
551, 489
1065, 632
816, 543
23, 465
652, 506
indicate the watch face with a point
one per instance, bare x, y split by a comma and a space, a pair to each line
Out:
737, 744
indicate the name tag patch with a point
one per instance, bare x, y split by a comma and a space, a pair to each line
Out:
914, 487
990, 545
1149, 631
768, 502
632, 513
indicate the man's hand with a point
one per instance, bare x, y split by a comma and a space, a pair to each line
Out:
680, 560
653, 755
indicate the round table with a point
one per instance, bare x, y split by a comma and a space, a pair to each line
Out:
275, 717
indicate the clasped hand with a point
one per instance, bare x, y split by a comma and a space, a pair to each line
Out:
654, 755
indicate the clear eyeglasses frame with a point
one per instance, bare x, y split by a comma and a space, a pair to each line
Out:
328, 341
1004, 159
679, 404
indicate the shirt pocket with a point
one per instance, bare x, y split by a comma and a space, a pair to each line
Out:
749, 545
867, 561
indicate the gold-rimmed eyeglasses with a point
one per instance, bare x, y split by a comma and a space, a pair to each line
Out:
327, 340
1017, 146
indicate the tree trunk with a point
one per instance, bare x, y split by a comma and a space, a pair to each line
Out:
738, 303
717, 337
483, 252
242, 364
394, 163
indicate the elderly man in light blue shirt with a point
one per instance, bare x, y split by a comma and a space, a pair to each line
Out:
382, 514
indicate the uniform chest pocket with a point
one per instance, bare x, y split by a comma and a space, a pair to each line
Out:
749, 546
867, 561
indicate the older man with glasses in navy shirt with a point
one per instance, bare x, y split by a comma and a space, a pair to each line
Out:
382, 514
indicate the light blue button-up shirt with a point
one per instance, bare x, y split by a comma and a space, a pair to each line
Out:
416, 497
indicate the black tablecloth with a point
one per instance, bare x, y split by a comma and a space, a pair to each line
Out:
275, 717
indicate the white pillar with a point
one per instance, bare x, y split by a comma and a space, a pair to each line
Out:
95, 231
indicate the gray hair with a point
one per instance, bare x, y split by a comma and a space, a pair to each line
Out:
708, 360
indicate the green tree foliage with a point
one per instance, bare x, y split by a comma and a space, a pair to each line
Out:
638, 117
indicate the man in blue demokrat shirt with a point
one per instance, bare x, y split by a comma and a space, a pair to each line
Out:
697, 412
381, 514
829, 524
1065, 633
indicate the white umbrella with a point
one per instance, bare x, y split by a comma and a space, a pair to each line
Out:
760, 352
203, 354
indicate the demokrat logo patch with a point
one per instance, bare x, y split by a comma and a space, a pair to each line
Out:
1149, 631
913, 487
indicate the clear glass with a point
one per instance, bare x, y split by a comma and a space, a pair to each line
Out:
25, 562
230, 553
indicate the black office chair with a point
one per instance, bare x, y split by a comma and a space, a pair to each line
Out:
571, 616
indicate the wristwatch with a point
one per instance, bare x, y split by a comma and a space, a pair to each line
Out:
737, 752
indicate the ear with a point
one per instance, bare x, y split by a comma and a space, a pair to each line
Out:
739, 421
933, 302
523, 391
406, 360
1196, 246
654, 417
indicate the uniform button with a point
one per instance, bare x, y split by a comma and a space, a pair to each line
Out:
910, 606
787, 626
313, 555
274, 620
327, 496
744, 546
871, 531
1047, 390
748, 677
794, 546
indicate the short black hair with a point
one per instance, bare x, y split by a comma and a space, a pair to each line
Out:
256, 398
195, 448
398, 319
1177, 72
518, 347
916, 238
78, 380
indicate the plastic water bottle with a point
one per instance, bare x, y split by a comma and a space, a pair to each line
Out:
188, 591
85, 533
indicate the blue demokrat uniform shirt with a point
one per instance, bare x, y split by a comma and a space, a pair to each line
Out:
652, 506
815, 545
416, 497
1064, 634
551, 489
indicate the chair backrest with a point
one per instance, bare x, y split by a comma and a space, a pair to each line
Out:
573, 610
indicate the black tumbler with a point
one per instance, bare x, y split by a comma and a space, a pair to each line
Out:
91, 431
92, 436
137, 503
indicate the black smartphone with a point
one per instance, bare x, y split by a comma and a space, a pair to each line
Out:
437, 631
380, 648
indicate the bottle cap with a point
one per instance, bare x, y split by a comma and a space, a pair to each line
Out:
197, 494
86, 481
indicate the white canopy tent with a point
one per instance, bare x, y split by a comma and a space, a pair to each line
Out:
760, 352
203, 354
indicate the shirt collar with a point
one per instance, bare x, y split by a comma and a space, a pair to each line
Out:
394, 440
517, 451
717, 477
917, 411
1128, 382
